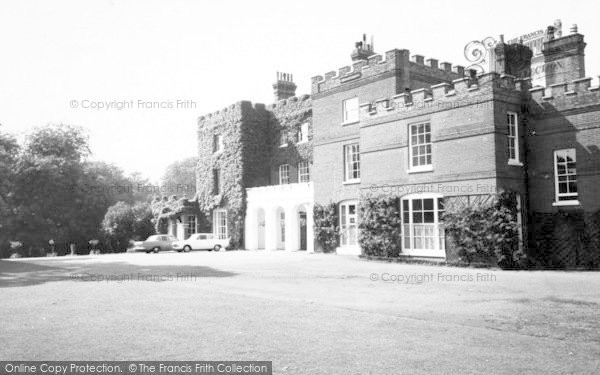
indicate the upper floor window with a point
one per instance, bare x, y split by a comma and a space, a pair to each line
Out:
303, 174
217, 188
351, 163
217, 143
283, 137
350, 110
420, 147
565, 177
512, 122
303, 133
284, 174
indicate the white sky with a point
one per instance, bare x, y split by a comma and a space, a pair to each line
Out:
219, 52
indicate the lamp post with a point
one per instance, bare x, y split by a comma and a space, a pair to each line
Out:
51, 243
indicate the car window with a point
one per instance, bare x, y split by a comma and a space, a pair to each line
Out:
202, 236
209, 236
164, 238
152, 238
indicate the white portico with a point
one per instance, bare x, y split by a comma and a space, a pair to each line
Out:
280, 217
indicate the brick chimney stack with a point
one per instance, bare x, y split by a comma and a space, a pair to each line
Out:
564, 57
284, 87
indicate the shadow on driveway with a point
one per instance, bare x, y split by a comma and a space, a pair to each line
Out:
25, 273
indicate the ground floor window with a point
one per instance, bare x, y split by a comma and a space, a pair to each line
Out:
172, 227
348, 223
423, 231
189, 225
220, 223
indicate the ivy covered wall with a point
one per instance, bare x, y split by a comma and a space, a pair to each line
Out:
287, 116
249, 155
166, 208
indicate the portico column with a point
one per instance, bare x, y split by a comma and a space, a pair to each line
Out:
251, 229
270, 228
291, 228
310, 233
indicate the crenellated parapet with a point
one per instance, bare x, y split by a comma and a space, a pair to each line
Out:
237, 110
573, 94
460, 92
232, 112
290, 104
394, 61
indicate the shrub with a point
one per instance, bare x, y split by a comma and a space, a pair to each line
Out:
325, 226
485, 233
380, 226
123, 223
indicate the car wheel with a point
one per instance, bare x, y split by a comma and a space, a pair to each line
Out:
179, 251
217, 248
187, 248
156, 249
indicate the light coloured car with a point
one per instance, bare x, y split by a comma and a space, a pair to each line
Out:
155, 243
201, 241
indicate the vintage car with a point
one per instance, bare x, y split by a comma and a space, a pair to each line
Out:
201, 241
155, 243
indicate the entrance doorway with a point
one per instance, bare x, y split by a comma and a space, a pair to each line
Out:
303, 229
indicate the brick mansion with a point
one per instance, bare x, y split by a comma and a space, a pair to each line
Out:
431, 133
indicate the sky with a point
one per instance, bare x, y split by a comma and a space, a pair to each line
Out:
137, 74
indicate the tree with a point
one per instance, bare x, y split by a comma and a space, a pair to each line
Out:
8, 154
124, 222
180, 177
55, 192
66, 142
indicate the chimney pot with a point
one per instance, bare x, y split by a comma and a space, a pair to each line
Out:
573, 29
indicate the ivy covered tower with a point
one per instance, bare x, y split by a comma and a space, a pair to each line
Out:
242, 147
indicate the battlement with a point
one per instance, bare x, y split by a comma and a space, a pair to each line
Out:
462, 91
394, 60
236, 109
571, 93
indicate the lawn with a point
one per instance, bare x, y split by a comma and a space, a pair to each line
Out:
308, 313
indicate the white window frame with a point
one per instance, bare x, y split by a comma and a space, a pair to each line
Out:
190, 225
303, 171
350, 111
284, 174
513, 135
351, 166
344, 210
283, 137
220, 223
303, 133
217, 144
569, 198
439, 248
427, 167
